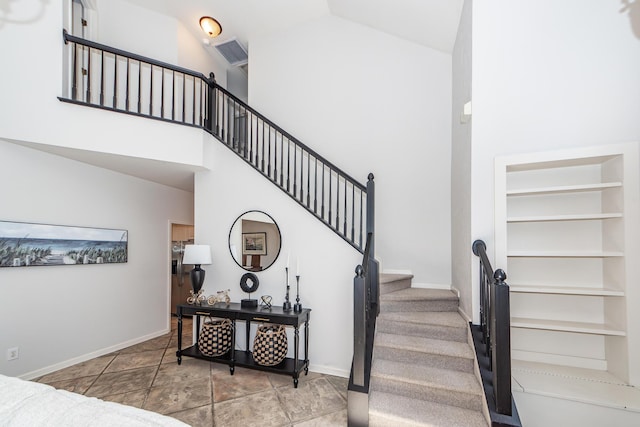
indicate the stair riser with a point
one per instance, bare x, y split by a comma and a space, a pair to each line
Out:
422, 330
421, 358
418, 305
386, 288
426, 392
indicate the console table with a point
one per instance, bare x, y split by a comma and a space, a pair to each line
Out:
234, 312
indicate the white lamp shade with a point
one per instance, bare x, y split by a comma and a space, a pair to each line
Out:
197, 254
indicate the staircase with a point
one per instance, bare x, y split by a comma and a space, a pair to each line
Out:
423, 363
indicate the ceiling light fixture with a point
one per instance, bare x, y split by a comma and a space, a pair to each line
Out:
210, 26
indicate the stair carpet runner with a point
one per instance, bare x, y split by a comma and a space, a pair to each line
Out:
423, 364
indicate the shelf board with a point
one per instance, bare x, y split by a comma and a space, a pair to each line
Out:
563, 189
570, 217
566, 326
565, 254
565, 290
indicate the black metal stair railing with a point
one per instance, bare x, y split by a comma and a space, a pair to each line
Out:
112, 79
492, 339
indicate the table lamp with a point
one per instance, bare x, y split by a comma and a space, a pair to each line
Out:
197, 255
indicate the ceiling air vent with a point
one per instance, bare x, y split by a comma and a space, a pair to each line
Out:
233, 52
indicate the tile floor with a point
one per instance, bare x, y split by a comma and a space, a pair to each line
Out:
201, 393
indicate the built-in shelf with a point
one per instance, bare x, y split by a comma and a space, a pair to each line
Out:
565, 290
563, 189
572, 217
565, 254
567, 326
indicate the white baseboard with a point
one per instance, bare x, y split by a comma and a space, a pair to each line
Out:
329, 370
70, 362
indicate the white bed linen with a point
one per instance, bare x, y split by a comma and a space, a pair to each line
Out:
30, 404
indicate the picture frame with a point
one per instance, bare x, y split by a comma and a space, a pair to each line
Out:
254, 243
24, 244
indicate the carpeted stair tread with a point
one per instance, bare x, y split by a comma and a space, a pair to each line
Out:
417, 294
388, 410
426, 375
424, 345
439, 318
389, 278
394, 282
443, 325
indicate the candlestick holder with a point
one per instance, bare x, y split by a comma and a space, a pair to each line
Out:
286, 306
297, 307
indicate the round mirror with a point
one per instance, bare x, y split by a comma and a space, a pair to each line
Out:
254, 241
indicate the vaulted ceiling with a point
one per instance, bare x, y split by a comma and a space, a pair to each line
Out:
432, 23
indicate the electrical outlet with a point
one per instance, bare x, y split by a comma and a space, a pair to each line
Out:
13, 353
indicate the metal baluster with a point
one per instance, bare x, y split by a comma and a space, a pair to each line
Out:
74, 86
193, 111
281, 158
89, 77
102, 77
288, 163
173, 95
200, 92
361, 242
162, 95
344, 227
338, 202
151, 90
308, 178
295, 178
330, 200
322, 192
353, 211
262, 159
126, 104
115, 81
184, 98
139, 86
269, 154
315, 187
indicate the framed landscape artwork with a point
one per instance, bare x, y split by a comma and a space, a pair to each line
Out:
254, 243
26, 245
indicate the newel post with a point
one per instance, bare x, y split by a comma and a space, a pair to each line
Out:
371, 220
359, 326
501, 342
211, 105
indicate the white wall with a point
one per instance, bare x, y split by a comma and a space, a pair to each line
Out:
461, 238
32, 112
327, 263
370, 102
61, 315
548, 75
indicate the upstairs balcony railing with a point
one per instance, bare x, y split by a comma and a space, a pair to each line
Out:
104, 77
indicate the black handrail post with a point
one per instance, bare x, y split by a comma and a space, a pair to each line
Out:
371, 225
501, 342
359, 327
211, 107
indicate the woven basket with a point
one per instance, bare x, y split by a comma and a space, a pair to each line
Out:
215, 337
270, 345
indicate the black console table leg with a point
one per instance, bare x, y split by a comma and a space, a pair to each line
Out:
232, 365
306, 347
179, 352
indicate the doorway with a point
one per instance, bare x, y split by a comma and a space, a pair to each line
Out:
181, 235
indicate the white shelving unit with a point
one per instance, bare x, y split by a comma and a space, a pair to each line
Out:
567, 232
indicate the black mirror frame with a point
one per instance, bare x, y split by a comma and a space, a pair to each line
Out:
231, 230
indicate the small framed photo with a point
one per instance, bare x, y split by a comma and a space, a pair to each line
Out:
254, 243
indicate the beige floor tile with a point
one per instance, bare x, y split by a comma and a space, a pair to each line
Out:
133, 398
76, 385
281, 380
190, 369
312, 398
122, 382
340, 384
126, 361
196, 417
84, 369
179, 397
335, 419
243, 382
260, 410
